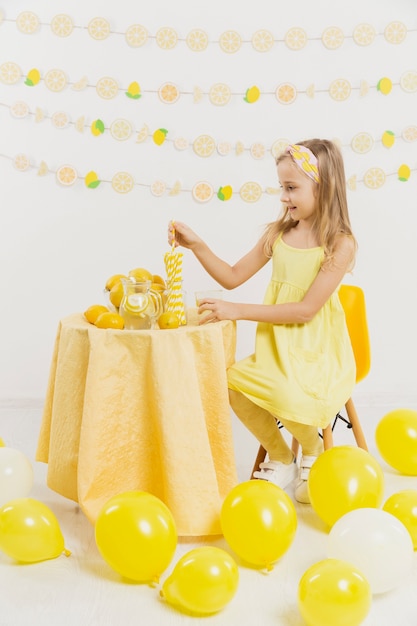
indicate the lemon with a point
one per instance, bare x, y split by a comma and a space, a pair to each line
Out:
384, 86
140, 274
33, 77
225, 193
168, 320
91, 314
156, 279
97, 128
388, 138
91, 180
404, 173
252, 94
133, 91
116, 278
110, 320
159, 136
116, 294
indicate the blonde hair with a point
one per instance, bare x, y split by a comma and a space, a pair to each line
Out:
332, 215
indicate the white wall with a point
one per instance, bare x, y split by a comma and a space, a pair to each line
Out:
58, 245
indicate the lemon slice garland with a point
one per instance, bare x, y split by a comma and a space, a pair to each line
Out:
197, 39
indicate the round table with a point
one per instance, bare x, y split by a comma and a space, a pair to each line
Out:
141, 410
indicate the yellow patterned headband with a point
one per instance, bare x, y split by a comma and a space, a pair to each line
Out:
305, 160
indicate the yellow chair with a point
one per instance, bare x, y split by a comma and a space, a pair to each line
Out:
352, 299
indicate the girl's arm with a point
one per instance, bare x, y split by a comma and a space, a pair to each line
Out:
228, 276
326, 282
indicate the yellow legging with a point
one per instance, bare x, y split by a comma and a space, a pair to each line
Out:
263, 425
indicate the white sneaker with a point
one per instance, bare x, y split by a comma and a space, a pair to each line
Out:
276, 472
301, 489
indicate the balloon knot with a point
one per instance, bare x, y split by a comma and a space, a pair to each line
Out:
67, 552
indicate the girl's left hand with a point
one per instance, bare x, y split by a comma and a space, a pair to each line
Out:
216, 310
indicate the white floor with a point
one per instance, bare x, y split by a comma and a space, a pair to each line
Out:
82, 590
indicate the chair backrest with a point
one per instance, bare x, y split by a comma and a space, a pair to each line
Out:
352, 299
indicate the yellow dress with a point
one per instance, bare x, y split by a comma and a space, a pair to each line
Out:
300, 372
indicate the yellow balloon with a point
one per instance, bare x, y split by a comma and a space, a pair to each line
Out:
136, 535
2, 444
403, 505
344, 478
396, 440
334, 592
29, 531
259, 522
203, 581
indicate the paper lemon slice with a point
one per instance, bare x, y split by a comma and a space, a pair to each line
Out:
197, 95
204, 145
80, 124
364, 34
197, 40
278, 147
60, 119
55, 80
263, 40
66, 175
122, 182
250, 192
257, 150
408, 81
296, 38
395, 32
27, 22
363, 88
240, 148
362, 143
39, 115
374, 178
99, 28
62, 25
333, 37
158, 188
220, 94
136, 35
180, 143
230, 41
175, 189
409, 133
340, 89
202, 192
42, 169
286, 93
121, 129
351, 182
224, 148
21, 162
310, 91
10, 73
80, 84
143, 134
272, 191
166, 38
107, 88
168, 93
19, 109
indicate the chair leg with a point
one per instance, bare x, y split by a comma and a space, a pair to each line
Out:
328, 437
356, 426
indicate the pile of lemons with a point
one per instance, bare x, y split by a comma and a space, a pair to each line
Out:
102, 317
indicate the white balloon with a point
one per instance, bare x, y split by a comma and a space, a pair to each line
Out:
16, 475
377, 543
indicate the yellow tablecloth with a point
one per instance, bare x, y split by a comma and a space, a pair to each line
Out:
141, 410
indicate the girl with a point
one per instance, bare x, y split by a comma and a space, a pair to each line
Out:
303, 368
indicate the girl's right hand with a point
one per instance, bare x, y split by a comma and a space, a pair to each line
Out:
180, 234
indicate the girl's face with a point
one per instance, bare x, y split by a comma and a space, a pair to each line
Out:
298, 191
